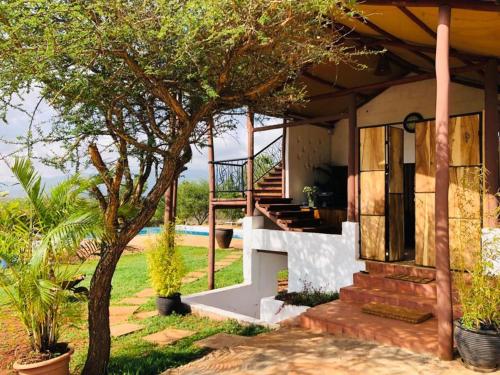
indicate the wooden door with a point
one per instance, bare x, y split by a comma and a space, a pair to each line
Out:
464, 195
395, 193
425, 171
381, 193
372, 192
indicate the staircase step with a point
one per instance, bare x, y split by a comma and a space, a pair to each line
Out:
268, 178
268, 194
272, 200
301, 223
269, 185
316, 229
281, 207
374, 267
356, 294
293, 214
378, 281
347, 320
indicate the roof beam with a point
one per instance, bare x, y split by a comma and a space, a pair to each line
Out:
392, 37
394, 82
311, 121
486, 6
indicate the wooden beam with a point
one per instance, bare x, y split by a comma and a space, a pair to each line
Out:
351, 170
491, 130
250, 176
211, 208
310, 121
458, 4
423, 26
394, 82
392, 37
443, 275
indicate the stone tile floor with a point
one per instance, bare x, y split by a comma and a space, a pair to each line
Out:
296, 351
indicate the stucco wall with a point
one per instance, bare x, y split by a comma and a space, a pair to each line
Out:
308, 147
395, 103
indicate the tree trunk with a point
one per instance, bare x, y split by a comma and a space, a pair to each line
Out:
99, 295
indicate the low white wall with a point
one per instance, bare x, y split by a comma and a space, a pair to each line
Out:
274, 311
326, 261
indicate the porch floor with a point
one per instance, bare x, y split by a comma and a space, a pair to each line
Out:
346, 319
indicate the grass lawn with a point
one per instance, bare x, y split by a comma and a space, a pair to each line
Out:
133, 355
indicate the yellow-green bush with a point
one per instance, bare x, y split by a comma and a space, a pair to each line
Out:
165, 264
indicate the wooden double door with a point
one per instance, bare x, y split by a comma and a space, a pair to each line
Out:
382, 192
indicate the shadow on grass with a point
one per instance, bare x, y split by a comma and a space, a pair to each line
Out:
156, 360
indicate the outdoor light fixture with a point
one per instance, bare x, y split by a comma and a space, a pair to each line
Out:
383, 66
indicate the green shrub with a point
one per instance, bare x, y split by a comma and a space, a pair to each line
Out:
309, 296
165, 264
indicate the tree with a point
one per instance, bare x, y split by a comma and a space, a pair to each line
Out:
134, 82
192, 200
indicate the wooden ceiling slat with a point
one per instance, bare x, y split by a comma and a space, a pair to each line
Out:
481, 5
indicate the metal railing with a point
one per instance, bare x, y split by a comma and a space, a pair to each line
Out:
231, 174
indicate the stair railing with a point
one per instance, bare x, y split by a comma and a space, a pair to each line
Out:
231, 174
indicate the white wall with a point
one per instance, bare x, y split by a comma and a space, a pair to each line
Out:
307, 147
326, 261
395, 103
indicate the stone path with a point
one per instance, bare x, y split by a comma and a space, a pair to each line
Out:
296, 351
168, 336
119, 315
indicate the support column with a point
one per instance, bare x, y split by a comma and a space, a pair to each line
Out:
283, 164
491, 130
351, 167
250, 148
211, 207
443, 279
174, 198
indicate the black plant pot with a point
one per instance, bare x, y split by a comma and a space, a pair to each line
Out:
480, 349
224, 237
168, 305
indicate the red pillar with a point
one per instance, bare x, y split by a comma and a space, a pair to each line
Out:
491, 129
443, 279
250, 148
169, 201
211, 207
351, 161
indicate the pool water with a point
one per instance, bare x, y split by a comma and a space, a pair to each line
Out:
193, 231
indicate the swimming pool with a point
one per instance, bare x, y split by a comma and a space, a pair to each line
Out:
193, 230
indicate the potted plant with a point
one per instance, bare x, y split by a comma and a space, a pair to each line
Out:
224, 237
477, 283
35, 244
310, 192
165, 271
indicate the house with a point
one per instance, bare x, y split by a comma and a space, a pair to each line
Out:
390, 147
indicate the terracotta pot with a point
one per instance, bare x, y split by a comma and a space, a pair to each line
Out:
224, 237
54, 366
167, 305
479, 349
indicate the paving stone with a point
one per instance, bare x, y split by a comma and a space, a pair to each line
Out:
118, 319
233, 256
146, 314
134, 301
146, 293
223, 264
168, 336
122, 310
196, 274
125, 329
187, 280
222, 340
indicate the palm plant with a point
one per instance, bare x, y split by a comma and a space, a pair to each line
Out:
35, 246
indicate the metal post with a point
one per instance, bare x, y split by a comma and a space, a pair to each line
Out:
250, 148
443, 279
491, 130
211, 207
351, 157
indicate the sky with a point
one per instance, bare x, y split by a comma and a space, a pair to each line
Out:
231, 145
